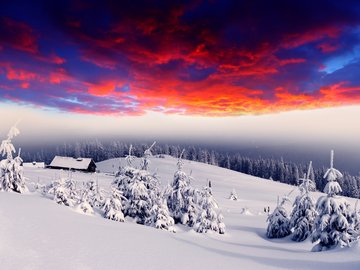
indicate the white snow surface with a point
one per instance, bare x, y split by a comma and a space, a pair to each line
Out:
36, 233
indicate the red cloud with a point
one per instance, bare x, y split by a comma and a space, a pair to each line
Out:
328, 47
20, 74
340, 93
299, 39
284, 62
58, 76
18, 35
40, 76
53, 58
99, 59
25, 85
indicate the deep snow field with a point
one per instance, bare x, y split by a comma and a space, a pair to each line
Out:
36, 233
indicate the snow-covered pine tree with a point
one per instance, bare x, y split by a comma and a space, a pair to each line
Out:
332, 223
94, 194
129, 158
209, 219
141, 188
176, 200
180, 197
138, 199
145, 161
84, 205
303, 213
279, 223
191, 208
160, 217
233, 195
70, 185
19, 180
355, 224
113, 206
61, 192
125, 174
11, 174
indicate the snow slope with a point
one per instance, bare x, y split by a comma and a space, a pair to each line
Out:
36, 233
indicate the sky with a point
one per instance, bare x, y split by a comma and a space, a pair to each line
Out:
269, 71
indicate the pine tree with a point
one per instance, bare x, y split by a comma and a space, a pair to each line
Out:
233, 195
332, 223
70, 185
180, 197
160, 216
84, 205
191, 209
141, 189
94, 194
138, 200
145, 162
209, 220
11, 174
113, 206
61, 192
355, 224
303, 214
279, 223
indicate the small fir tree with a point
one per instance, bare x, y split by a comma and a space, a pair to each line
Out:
191, 209
279, 223
113, 206
140, 188
355, 224
61, 193
303, 214
145, 162
160, 216
181, 197
209, 220
233, 195
332, 223
125, 175
84, 205
70, 185
94, 194
138, 199
11, 173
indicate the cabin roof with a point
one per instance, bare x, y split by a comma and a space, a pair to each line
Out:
71, 163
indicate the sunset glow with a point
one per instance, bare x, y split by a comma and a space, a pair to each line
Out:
208, 58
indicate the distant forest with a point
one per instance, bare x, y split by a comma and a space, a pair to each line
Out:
272, 169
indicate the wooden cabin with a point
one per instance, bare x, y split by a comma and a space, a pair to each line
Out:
70, 163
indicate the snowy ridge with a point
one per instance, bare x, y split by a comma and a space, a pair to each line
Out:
36, 233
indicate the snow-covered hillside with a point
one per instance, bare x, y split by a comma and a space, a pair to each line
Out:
36, 233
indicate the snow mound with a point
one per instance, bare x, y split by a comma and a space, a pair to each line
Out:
245, 211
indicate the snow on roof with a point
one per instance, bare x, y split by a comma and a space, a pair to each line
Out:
34, 164
71, 163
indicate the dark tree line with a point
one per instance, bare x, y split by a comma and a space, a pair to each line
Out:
268, 168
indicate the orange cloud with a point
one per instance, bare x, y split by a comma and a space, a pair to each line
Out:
104, 88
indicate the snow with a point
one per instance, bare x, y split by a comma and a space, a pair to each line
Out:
69, 162
34, 164
37, 233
